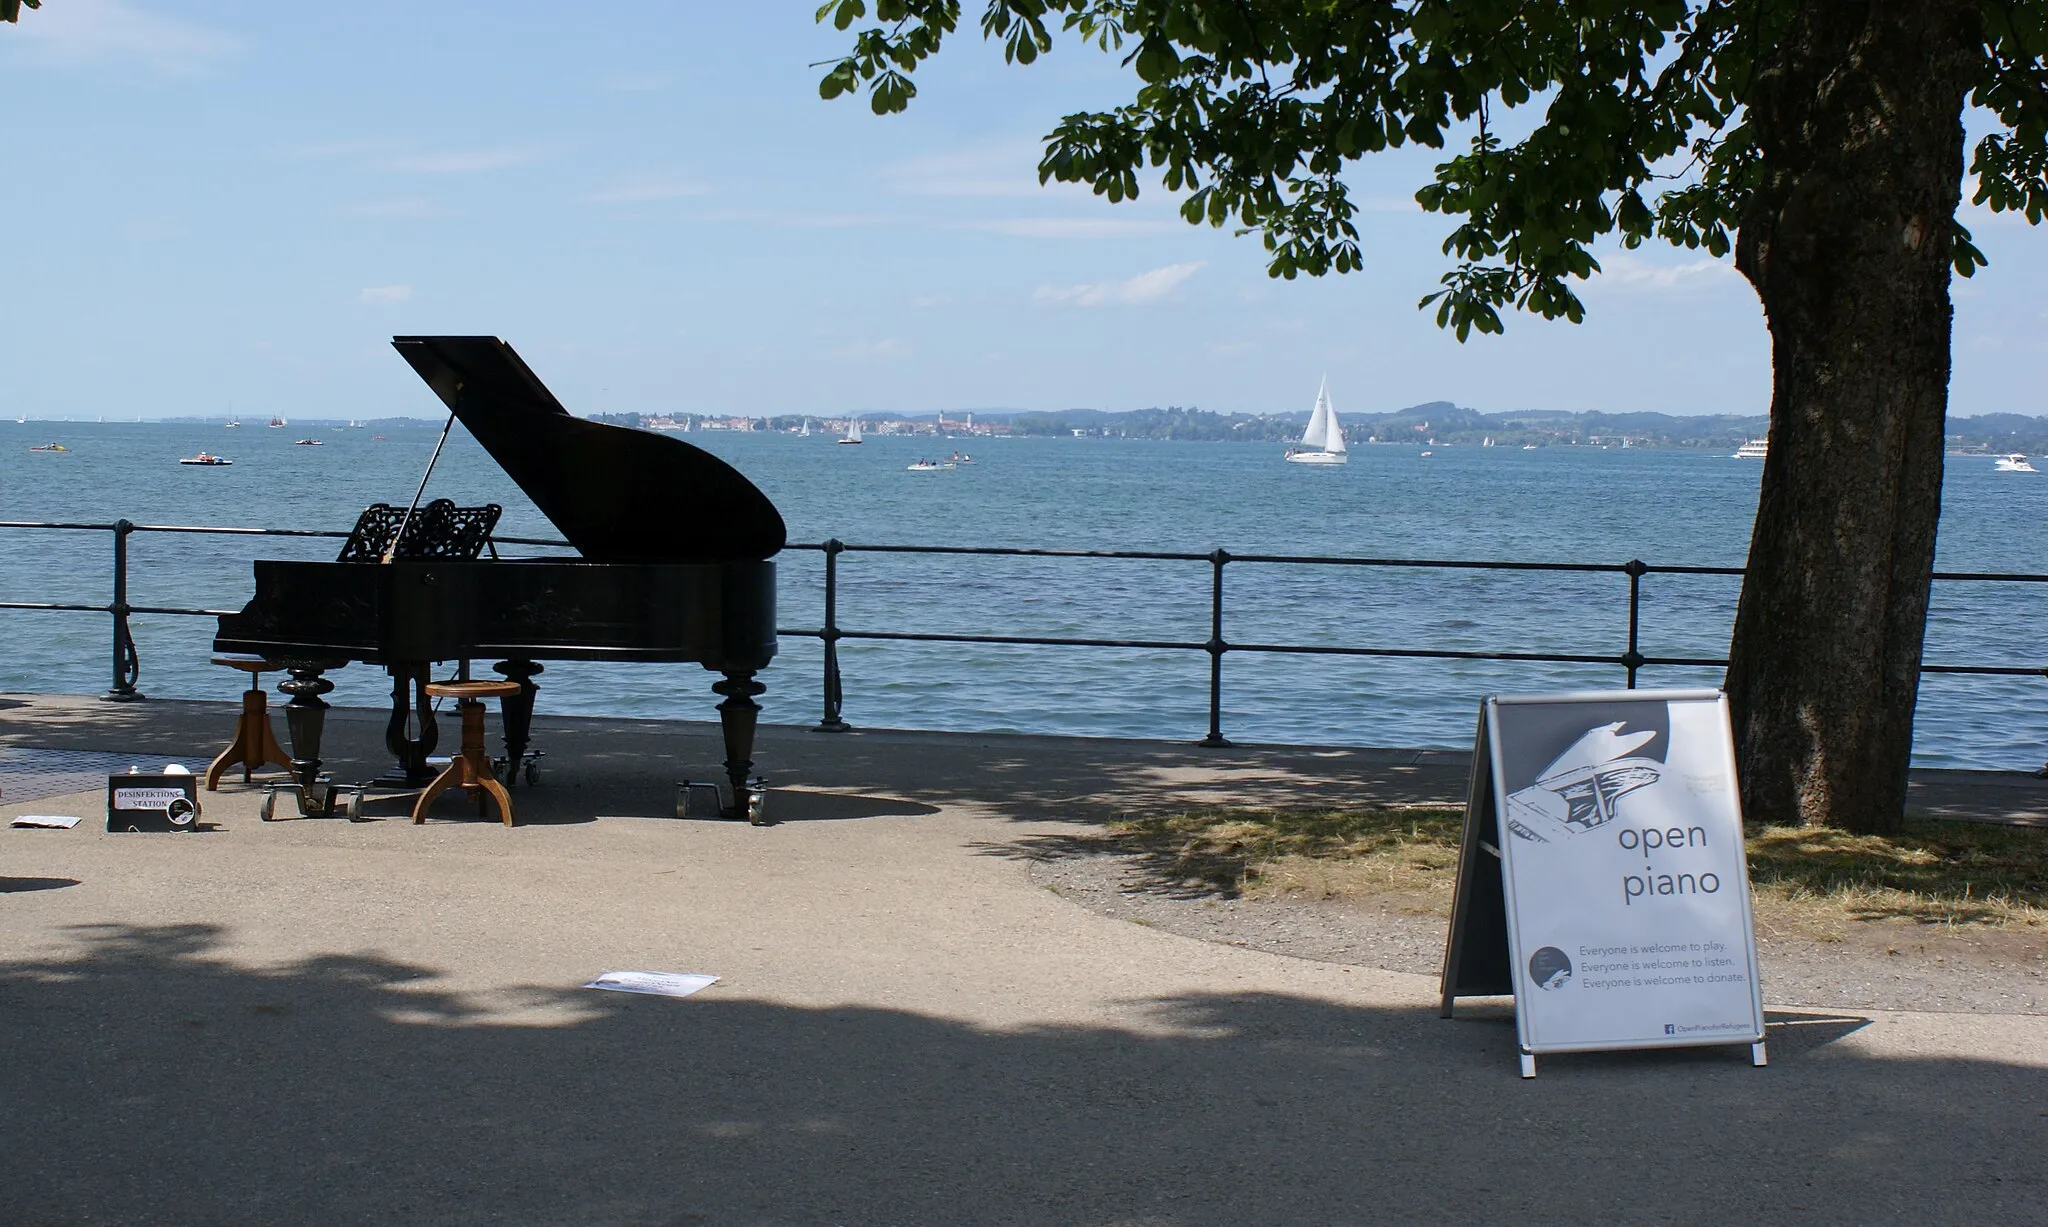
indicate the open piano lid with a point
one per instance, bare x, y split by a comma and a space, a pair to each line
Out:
617, 494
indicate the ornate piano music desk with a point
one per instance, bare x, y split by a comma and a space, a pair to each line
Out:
675, 547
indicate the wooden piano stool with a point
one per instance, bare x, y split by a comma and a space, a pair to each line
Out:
255, 745
470, 769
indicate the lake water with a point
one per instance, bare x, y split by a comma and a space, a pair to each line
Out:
1555, 504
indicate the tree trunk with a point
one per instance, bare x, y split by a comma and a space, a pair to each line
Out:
1857, 113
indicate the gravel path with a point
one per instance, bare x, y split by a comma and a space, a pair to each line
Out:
1884, 966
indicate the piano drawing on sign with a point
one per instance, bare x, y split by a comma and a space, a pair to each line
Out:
674, 544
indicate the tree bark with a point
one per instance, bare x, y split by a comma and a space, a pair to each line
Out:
1858, 115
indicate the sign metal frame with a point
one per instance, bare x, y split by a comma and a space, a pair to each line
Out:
1486, 954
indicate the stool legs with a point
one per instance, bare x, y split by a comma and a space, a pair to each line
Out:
470, 769
255, 745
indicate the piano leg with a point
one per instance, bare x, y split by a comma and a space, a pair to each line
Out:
736, 716
515, 712
305, 717
409, 694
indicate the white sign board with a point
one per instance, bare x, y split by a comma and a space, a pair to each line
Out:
1624, 887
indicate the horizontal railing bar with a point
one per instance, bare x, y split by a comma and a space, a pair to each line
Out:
206, 530
1014, 551
71, 608
1024, 640
102, 528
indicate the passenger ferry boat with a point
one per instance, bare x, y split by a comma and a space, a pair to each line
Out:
1753, 449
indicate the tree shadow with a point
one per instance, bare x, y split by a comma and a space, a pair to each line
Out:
12, 886
151, 1078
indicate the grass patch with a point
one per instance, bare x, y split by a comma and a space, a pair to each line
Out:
1948, 873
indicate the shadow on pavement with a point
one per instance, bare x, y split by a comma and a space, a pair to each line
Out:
153, 1081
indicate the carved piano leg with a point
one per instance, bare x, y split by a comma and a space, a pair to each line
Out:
737, 716
409, 694
515, 712
306, 718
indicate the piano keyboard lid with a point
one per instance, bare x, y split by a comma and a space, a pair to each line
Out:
617, 494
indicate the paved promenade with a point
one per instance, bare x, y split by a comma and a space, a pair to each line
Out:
315, 1021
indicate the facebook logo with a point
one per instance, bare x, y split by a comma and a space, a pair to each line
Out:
1670, 1029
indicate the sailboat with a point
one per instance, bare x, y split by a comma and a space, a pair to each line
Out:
806, 431
852, 431
1323, 441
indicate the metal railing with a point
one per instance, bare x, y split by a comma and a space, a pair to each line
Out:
126, 662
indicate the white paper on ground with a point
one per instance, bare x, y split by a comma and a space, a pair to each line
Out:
64, 821
660, 983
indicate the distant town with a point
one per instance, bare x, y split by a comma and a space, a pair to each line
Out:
1438, 423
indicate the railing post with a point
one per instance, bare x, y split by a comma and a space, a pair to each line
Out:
1632, 659
832, 722
1216, 647
126, 665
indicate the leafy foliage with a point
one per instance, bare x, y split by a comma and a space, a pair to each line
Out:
1631, 117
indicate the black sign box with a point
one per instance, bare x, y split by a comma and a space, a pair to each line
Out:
137, 802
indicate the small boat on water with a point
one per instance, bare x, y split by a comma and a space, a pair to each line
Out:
234, 423
308, 442
1753, 449
206, 459
50, 447
1323, 441
852, 431
928, 466
2014, 463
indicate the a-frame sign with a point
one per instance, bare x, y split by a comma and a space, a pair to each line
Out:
1602, 880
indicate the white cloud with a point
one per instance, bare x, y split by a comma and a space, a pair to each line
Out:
1144, 288
391, 209
72, 33
869, 351
462, 161
1634, 273
643, 189
1070, 227
1001, 168
383, 295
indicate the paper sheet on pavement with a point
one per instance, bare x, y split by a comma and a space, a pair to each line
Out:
62, 821
659, 983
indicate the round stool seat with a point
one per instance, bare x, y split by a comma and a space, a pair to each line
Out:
247, 664
473, 690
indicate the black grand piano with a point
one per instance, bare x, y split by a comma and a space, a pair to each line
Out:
674, 543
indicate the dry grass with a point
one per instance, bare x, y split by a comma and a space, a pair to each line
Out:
1811, 880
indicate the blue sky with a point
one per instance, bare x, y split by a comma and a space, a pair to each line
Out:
232, 206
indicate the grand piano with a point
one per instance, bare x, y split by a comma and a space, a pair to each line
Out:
674, 566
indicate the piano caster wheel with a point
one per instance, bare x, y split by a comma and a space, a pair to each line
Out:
532, 772
757, 803
268, 810
352, 805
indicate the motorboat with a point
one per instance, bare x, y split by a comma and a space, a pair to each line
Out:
308, 442
2014, 463
928, 466
207, 460
50, 447
1323, 441
1753, 449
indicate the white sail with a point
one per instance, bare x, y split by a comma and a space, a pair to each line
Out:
1324, 433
